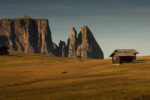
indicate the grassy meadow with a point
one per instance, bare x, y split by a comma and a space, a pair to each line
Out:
37, 77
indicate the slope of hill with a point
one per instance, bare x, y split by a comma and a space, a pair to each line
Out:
37, 77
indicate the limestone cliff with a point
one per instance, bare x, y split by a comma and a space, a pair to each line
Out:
28, 35
87, 45
34, 36
63, 49
83, 46
72, 43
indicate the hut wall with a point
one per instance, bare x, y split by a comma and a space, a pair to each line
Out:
127, 59
134, 58
115, 59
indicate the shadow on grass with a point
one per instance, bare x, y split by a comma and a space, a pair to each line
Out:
142, 61
143, 97
14, 56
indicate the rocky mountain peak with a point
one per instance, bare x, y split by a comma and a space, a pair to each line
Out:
83, 46
31, 35
87, 45
73, 32
84, 29
72, 43
25, 17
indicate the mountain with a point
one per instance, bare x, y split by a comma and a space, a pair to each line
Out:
32, 35
72, 43
85, 46
28, 35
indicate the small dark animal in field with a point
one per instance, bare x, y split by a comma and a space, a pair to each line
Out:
64, 72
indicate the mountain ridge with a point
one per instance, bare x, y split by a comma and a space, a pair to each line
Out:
33, 35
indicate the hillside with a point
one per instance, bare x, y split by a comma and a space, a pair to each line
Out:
37, 77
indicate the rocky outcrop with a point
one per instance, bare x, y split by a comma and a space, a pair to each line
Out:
4, 41
87, 45
62, 49
56, 50
34, 36
28, 35
72, 43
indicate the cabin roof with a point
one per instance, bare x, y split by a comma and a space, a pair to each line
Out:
125, 52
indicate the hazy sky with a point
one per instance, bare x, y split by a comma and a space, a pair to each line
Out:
114, 23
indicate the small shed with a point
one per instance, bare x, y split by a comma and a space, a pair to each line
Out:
4, 50
120, 56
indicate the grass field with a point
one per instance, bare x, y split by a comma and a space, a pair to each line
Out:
37, 77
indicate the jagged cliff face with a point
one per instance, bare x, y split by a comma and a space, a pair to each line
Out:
56, 50
61, 50
34, 36
72, 43
87, 45
28, 35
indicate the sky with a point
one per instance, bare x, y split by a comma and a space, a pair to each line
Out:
116, 24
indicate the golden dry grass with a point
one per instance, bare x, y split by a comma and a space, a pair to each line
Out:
37, 77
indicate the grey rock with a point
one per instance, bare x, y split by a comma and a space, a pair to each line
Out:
34, 36
4, 41
62, 49
28, 35
72, 43
56, 50
87, 45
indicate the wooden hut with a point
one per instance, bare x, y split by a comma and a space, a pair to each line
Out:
4, 50
120, 56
